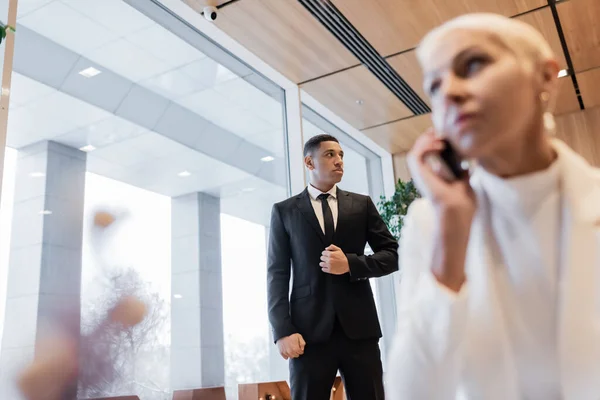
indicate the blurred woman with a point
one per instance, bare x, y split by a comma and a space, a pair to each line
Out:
500, 291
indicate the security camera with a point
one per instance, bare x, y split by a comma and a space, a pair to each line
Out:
210, 13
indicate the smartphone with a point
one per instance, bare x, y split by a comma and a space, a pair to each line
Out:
447, 163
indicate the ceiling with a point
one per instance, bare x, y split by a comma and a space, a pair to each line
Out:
158, 108
326, 45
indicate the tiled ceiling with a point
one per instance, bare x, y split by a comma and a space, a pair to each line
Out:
406, 21
306, 51
158, 107
285, 35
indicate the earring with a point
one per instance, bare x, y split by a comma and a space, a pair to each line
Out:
548, 117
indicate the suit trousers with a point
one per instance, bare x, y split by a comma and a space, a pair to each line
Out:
359, 361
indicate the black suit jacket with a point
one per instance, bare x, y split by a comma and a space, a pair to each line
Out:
295, 245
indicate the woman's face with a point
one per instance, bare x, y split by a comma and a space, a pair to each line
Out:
483, 98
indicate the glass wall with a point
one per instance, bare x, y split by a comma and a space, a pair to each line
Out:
6, 205
146, 160
132, 255
247, 341
142, 159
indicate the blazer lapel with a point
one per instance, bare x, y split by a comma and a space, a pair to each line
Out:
579, 291
344, 202
308, 212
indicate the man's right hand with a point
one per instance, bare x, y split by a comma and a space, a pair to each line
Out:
291, 346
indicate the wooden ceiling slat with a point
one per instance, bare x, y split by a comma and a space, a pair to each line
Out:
589, 86
580, 131
392, 26
566, 98
580, 20
543, 21
408, 68
342, 92
286, 36
399, 137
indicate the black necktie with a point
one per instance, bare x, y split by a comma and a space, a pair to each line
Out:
327, 217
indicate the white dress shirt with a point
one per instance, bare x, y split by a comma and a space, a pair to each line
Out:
525, 216
317, 206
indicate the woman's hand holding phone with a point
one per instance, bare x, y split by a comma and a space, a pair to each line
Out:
454, 203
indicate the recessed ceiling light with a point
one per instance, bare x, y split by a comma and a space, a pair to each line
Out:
184, 174
267, 159
90, 72
360, 102
37, 174
87, 148
45, 212
177, 296
562, 73
248, 189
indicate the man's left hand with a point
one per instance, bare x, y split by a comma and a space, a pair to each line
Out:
334, 261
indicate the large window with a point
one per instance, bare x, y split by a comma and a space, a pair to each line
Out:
8, 193
132, 254
121, 110
144, 159
247, 342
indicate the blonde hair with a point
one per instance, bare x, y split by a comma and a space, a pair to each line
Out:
517, 36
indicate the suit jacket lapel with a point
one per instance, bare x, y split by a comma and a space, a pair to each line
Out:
308, 212
344, 202
579, 291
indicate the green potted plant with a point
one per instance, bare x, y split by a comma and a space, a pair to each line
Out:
394, 209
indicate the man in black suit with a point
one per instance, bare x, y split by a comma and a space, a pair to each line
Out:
329, 322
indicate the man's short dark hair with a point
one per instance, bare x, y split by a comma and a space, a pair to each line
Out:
315, 142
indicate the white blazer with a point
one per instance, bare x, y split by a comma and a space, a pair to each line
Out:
458, 348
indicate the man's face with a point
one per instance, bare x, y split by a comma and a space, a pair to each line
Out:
326, 164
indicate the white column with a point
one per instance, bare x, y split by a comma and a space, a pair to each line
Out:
44, 278
197, 343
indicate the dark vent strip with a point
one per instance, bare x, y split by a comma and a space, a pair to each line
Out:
230, 2
367, 52
330, 17
563, 43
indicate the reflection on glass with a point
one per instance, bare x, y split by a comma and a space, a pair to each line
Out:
112, 112
135, 258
